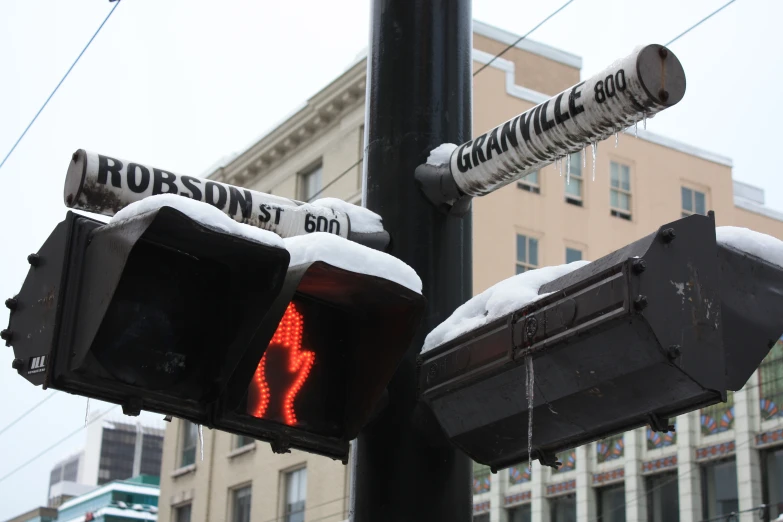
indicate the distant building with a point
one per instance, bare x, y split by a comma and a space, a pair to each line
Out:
114, 450
41, 514
122, 500
721, 459
64, 480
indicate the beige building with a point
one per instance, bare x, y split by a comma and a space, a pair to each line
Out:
639, 185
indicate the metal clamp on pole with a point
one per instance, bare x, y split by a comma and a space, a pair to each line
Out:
439, 186
636, 87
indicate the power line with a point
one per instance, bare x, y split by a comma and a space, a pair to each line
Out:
542, 22
25, 414
501, 53
60, 83
327, 516
733, 515
661, 485
346, 171
30, 461
309, 508
697, 24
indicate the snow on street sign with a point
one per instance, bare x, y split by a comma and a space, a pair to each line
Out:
105, 185
634, 88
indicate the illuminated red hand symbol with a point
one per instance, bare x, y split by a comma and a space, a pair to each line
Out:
282, 371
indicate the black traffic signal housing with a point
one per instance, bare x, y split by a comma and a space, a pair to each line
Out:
152, 313
164, 314
339, 342
658, 328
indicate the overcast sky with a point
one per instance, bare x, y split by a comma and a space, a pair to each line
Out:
181, 83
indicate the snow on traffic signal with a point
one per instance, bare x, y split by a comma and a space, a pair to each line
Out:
326, 364
658, 328
135, 312
180, 310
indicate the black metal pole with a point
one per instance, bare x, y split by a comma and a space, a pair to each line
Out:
419, 94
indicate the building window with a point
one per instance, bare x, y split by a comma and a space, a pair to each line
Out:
656, 439
771, 383
567, 460
182, 513
71, 470
118, 448
484, 517
719, 488
574, 184
620, 191
521, 513
610, 449
663, 497
563, 509
530, 183
693, 202
189, 440
310, 183
151, 454
572, 254
240, 441
519, 474
611, 503
56, 475
527, 253
295, 493
481, 480
718, 417
240, 504
772, 462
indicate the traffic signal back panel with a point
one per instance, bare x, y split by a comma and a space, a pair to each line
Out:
153, 313
636, 337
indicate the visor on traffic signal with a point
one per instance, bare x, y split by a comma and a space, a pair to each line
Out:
661, 327
153, 312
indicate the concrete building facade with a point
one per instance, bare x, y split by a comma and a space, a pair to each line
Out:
114, 450
40, 514
721, 459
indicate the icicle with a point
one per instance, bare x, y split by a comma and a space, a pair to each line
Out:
568, 170
529, 384
645, 120
584, 158
560, 166
87, 412
201, 440
616, 138
636, 127
594, 146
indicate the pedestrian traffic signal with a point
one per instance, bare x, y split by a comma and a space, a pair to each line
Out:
341, 337
163, 313
658, 328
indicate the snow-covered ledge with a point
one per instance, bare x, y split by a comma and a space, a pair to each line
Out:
184, 470
247, 448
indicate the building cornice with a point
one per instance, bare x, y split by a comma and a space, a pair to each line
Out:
756, 208
347, 92
517, 91
531, 46
532, 96
320, 112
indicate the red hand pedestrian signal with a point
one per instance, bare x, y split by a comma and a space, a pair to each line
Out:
282, 371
